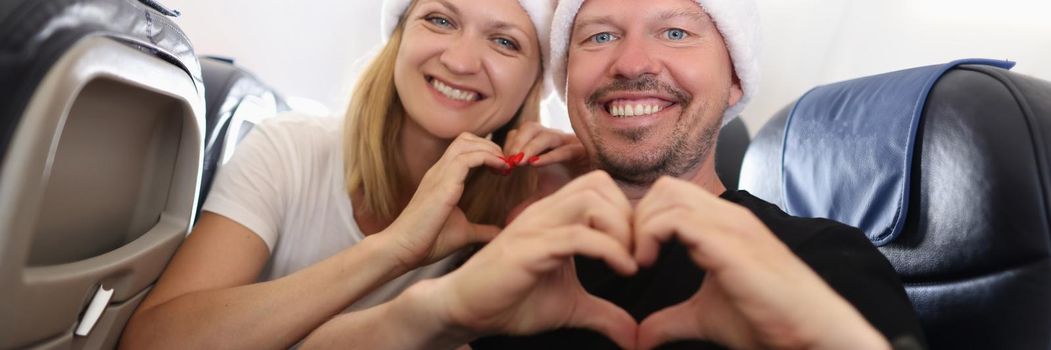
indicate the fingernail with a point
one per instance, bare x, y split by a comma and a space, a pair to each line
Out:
508, 161
534, 159
518, 157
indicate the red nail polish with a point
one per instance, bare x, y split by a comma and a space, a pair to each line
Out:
518, 158
534, 159
508, 161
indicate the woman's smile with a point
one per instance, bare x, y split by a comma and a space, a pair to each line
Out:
453, 95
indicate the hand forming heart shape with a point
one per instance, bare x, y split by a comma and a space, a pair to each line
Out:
525, 281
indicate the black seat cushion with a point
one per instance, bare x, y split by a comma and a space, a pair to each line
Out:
729, 153
227, 86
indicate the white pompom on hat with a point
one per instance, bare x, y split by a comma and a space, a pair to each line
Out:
540, 11
737, 21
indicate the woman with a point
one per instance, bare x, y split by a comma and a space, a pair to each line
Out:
330, 221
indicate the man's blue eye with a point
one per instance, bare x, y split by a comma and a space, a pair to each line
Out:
602, 38
508, 43
676, 34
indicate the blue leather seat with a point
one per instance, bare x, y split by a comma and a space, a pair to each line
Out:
973, 244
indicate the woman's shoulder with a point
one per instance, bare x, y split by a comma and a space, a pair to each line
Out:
297, 132
300, 124
292, 139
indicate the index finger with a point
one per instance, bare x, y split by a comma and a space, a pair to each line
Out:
600, 182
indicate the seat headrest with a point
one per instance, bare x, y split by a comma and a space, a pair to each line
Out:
847, 148
729, 152
37, 33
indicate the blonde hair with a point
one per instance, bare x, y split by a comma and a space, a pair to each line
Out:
373, 166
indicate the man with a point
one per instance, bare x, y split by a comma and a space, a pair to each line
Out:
672, 258
689, 66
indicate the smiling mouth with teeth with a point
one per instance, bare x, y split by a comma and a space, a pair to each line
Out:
621, 110
453, 93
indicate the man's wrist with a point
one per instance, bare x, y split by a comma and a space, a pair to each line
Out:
854, 335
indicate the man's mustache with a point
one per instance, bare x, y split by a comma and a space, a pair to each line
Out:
644, 83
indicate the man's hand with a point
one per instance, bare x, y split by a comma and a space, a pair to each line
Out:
524, 281
756, 293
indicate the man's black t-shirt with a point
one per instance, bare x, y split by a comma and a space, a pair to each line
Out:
840, 254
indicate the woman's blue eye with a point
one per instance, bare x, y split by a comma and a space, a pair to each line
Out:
602, 38
439, 21
676, 34
508, 43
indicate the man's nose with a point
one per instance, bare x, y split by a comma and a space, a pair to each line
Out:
462, 57
634, 59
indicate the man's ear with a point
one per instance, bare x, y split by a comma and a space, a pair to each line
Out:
735, 91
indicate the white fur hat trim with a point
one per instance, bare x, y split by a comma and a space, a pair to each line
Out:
539, 11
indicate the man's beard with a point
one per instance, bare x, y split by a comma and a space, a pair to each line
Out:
681, 152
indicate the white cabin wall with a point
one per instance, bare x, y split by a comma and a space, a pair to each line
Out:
313, 48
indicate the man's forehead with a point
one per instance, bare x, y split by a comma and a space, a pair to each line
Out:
622, 12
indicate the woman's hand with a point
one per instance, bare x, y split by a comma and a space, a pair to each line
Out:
432, 226
559, 158
538, 146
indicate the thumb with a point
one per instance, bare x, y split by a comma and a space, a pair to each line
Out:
602, 316
677, 322
482, 233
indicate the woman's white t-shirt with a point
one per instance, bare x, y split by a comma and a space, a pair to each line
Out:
286, 183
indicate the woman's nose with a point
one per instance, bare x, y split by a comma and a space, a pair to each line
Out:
463, 56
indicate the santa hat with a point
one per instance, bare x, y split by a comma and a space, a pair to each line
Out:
737, 21
539, 11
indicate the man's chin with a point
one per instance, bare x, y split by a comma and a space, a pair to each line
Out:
632, 167
631, 139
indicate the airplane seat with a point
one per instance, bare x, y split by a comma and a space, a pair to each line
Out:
947, 169
101, 140
729, 152
236, 101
